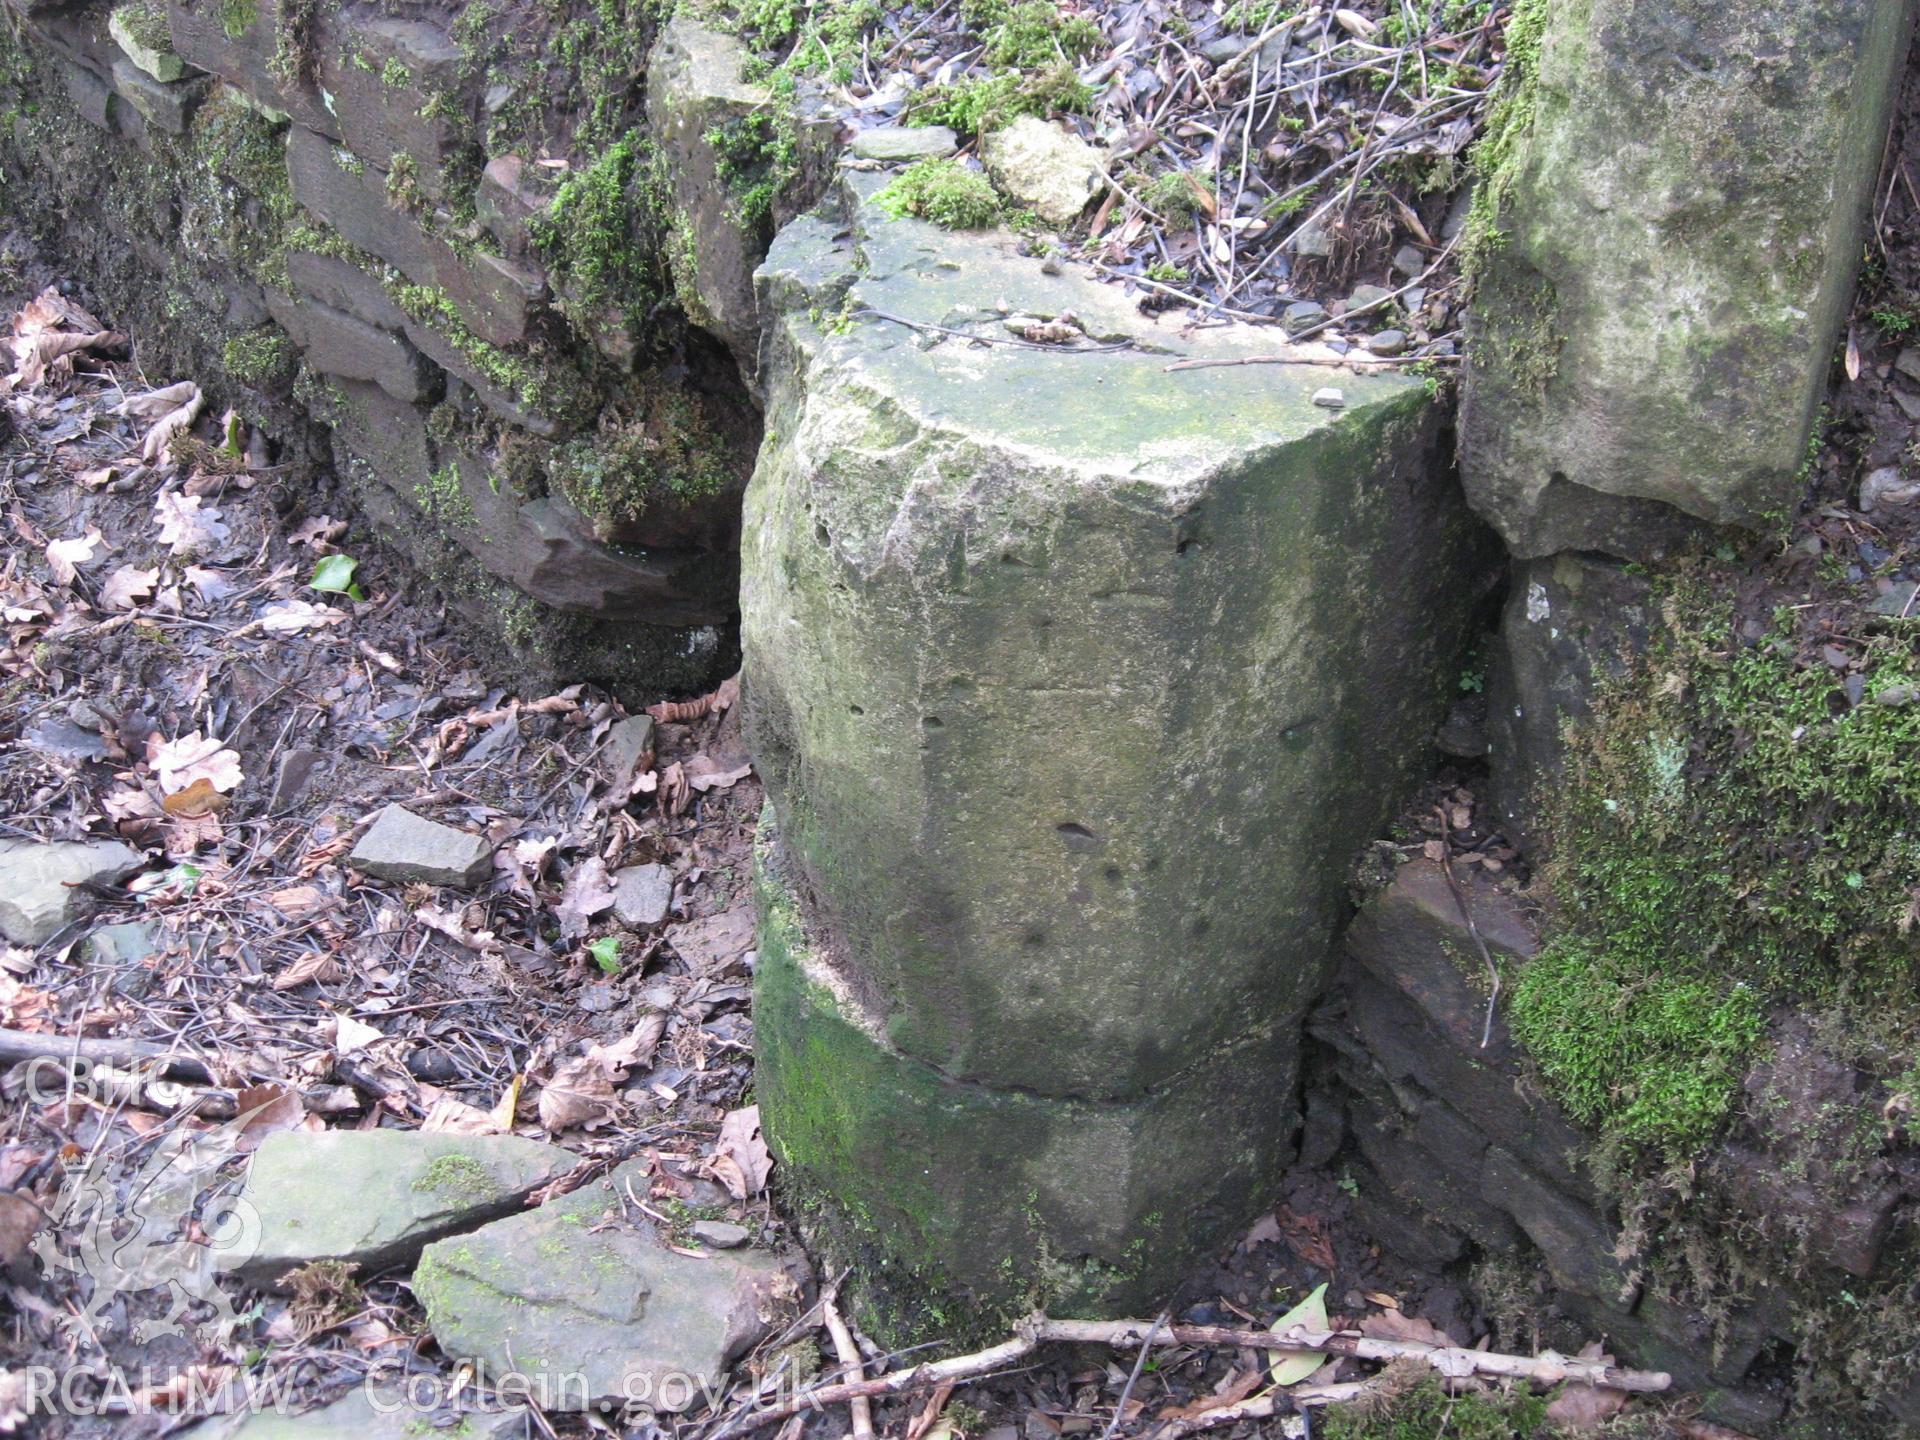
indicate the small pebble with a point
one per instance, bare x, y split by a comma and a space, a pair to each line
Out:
1387, 342
720, 1234
1330, 398
1409, 261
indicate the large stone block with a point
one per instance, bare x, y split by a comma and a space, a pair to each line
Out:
395, 89
1572, 622
1075, 678
239, 40
338, 344
987, 1201
694, 94
1678, 206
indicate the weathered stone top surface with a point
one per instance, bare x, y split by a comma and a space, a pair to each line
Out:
1118, 412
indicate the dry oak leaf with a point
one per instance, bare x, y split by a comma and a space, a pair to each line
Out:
741, 1161
1398, 1325
588, 892
128, 586
292, 616
314, 966
186, 524
178, 763
265, 1109
65, 557
172, 409
199, 799
703, 774
448, 1116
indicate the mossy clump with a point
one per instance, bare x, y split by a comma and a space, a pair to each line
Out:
1410, 1406
945, 192
818, 37
145, 22
258, 357
758, 156
973, 107
662, 452
237, 16
1736, 832
1035, 34
599, 234
444, 500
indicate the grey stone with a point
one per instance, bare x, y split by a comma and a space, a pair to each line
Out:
158, 61
1387, 342
641, 894
123, 950
628, 742
408, 849
338, 344
595, 1309
931, 528
1312, 240
1303, 315
695, 87
1885, 487
1578, 1248
245, 59
905, 142
1041, 166
375, 1197
167, 107
1408, 261
42, 886
1907, 362
721, 1234
1680, 227
379, 113
1364, 295
363, 1415
1330, 397
1571, 622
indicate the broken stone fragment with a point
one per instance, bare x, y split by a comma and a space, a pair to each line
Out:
44, 886
1042, 167
374, 1197
404, 847
595, 1311
905, 142
628, 742
368, 1414
641, 894
149, 49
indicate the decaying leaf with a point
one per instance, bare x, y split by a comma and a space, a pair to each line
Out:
127, 586
1396, 1324
292, 616
717, 702
178, 763
741, 1160
580, 1095
186, 524
313, 967
588, 892
172, 409
266, 1109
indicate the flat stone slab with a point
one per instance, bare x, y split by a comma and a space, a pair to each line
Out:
41, 884
904, 142
407, 848
589, 1311
356, 1415
641, 894
375, 1197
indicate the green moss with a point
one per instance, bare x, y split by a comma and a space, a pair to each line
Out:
943, 191
1037, 34
818, 36
394, 74
443, 498
258, 356
1732, 835
757, 156
457, 1175
598, 233
546, 384
403, 184
1421, 1409
987, 103
1170, 195
1497, 154
237, 16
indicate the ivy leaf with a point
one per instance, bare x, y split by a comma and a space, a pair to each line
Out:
334, 576
606, 953
1311, 1313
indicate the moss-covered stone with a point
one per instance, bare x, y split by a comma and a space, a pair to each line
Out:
1666, 232
965, 1207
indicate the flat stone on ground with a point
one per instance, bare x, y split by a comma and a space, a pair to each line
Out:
596, 1311
356, 1415
41, 885
405, 847
641, 894
375, 1197
905, 142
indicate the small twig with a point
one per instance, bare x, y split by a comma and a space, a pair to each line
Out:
1473, 930
859, 1407
1139, 1364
